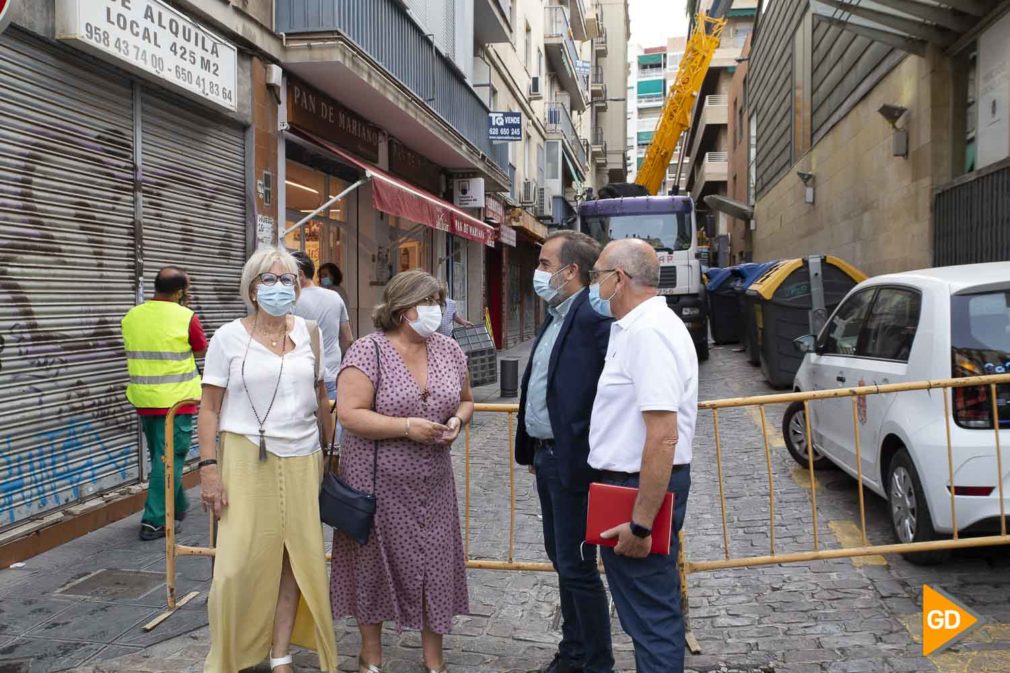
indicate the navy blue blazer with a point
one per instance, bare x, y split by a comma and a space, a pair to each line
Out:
574, 370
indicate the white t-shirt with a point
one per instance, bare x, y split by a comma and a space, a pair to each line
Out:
327, 308
651, 365
291, 428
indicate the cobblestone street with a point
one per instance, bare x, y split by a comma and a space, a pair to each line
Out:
823, 616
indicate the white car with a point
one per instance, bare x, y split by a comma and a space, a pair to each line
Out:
930, 324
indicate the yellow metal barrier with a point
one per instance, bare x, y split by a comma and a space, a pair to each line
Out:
865, 548
173, 550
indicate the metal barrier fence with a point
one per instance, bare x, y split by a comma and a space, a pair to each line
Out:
174, 550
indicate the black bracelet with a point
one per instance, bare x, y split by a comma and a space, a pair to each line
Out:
206, 463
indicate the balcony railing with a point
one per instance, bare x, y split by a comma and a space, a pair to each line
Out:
382, 29
556, 25
600, 42
598, 137
598, 86
650, 100
506, 8
559, 121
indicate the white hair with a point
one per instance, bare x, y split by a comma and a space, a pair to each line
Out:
260, 263
637, 259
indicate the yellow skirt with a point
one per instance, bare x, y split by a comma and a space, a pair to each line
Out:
272, 506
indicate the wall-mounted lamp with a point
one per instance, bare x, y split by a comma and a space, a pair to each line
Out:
808, 185
893, 113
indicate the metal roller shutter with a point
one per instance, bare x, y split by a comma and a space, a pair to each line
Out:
66, 278
194, 205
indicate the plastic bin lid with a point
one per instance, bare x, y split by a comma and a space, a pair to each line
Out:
745, 274
771, 280
717, 277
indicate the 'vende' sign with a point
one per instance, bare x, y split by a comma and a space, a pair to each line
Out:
152, 38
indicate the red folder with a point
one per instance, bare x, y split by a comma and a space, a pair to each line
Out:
610, 506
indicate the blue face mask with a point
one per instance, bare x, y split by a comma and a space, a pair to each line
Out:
599, 304
277, 299
326, 281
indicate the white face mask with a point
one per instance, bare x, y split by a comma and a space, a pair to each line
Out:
428, 320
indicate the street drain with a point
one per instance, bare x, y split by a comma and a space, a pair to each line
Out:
15, 665
113, 584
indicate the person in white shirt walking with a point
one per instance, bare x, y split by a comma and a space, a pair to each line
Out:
328, 310
651, 368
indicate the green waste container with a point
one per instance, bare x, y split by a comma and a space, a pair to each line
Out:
748, 321
783, 301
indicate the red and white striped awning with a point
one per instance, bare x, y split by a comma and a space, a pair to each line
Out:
395, 197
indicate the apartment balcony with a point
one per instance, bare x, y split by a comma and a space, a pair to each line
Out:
400, 49
561, 127
599, 147
650, 101
580, 24
600, 41
714, 168
563, 56
714, 113
597, 87
491, 21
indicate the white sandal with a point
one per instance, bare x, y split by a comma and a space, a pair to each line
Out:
286, 660
368, 668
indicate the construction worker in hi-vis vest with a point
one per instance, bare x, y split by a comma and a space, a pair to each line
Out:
161, 337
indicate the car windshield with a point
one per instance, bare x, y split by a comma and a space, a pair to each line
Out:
666, 232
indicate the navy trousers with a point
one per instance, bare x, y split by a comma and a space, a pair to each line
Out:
647, 591
585, 630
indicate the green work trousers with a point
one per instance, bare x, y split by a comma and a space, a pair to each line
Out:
154, 432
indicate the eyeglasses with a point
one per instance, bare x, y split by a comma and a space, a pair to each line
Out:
286, 279
596, 274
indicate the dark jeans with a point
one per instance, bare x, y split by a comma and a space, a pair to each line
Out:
647, 591
585, 629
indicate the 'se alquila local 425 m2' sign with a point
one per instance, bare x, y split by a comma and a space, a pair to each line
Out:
152, 38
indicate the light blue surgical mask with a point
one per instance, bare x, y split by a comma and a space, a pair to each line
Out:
326, 281
277, 299
600, 305
542, 284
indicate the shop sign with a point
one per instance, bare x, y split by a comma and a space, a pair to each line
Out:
506, 126
408, 164
266, 230
5, 13
468, 192
152, 38
317, 113
507, 235
494, 209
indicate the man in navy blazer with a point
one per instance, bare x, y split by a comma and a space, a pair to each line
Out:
558, 389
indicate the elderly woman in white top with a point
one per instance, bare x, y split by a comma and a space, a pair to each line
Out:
262, 392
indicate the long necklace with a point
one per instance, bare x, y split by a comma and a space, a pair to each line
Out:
263, 421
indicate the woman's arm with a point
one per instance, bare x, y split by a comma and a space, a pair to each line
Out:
326, 418
354, 409
212, 491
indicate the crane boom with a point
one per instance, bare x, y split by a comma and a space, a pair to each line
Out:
676, 115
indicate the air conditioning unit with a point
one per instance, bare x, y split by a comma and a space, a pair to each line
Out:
529, 195
545, 203
536, 87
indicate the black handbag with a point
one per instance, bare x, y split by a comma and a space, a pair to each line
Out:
345, 508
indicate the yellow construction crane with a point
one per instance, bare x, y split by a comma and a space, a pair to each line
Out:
676, 115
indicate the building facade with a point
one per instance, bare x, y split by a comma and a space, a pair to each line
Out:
872, 132
445, 135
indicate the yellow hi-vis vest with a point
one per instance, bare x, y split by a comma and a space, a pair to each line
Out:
160, 360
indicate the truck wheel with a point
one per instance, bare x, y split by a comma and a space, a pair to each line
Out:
794, 431
701, 347
910, 519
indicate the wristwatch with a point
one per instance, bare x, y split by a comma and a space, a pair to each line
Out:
638, 530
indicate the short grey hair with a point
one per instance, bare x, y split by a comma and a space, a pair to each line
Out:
637, 259
405, 291
260, 263
578, 249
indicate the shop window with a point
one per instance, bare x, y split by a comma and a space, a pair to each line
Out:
409, 246
553, 160
322, 237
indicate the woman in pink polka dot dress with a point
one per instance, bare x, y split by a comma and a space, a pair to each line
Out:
412, 570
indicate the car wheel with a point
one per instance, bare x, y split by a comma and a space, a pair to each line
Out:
794, 430
910, 519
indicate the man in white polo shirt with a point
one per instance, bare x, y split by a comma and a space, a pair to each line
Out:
640, 436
